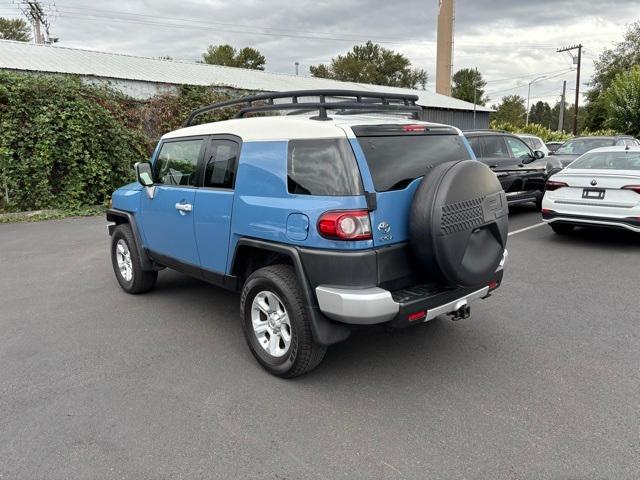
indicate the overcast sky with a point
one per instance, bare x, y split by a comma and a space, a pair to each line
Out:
502, 38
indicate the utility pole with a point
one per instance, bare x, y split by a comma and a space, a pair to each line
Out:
444, 53
35, 14
297, 64
579, 62
562, 106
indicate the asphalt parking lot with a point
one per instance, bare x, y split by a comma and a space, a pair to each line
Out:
543, 382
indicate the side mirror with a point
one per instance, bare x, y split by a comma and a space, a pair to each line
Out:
528, 159
144, 173
538, 154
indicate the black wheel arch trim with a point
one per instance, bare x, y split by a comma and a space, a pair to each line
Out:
325, 332
112, 216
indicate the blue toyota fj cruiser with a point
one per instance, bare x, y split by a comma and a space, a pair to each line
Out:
367, 216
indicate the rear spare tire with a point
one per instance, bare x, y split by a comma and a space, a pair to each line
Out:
459, 223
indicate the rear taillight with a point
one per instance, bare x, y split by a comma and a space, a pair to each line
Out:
552, 185
345, 225
635, 188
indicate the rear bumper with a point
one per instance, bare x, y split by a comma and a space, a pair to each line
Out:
421, 303
627, 223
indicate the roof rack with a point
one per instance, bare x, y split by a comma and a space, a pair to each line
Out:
345, 100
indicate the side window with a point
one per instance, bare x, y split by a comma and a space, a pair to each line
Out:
222, 157
537, 144
518, 148
322, 167
476, 146
630, 142
620, 143
177, 163
494, 147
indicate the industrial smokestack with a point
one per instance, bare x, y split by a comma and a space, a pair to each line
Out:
444, 59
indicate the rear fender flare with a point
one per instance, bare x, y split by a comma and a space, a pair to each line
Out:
325, 332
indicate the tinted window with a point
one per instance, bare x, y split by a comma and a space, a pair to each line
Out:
394, 161
625, 160
494, 147
518, 148
476, 146
583, 145
222, 157
177, 162
323, 167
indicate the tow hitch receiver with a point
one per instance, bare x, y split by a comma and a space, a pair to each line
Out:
461, 313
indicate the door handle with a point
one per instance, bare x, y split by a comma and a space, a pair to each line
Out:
184, 207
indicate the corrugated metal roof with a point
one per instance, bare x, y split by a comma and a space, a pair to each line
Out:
54, 59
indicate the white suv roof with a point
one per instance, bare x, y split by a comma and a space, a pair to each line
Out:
290, 126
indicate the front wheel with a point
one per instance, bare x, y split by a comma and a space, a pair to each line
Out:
126, 262
562, 228
275, 322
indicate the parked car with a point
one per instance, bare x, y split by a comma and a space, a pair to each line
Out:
522, 172
320, 222
601, 188
553, 146
572, 149
535, 143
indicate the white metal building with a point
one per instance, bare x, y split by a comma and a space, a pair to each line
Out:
141, 78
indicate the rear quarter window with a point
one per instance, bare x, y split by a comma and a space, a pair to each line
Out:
324, 167
395, 161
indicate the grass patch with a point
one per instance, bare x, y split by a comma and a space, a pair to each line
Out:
41, 215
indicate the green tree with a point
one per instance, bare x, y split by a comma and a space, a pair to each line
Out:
468, 85
14, 29
230, 57
611, 62
371, 63
541, 114
511, 110
622, 102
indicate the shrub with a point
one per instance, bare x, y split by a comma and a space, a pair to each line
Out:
68, 145
63, 144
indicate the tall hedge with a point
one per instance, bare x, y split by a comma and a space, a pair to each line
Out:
65, 144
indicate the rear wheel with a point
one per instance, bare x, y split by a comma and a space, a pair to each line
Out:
126, 262
275, 322
562, 228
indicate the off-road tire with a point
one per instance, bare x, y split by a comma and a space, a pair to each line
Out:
303, 354
562, 228
142, 280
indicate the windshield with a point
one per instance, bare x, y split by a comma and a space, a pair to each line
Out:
625, 160
395, 161
583, 145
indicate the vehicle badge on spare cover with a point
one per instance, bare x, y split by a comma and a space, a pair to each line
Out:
594, 182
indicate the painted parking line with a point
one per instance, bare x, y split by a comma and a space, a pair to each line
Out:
530, 227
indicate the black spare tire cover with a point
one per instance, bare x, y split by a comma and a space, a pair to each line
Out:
459, 223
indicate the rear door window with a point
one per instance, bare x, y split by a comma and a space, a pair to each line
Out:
395, 161
324, 167
222, 157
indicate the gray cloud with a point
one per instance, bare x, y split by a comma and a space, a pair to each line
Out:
503, 38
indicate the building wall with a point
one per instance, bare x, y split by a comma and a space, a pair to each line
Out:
133, 88
463, 119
